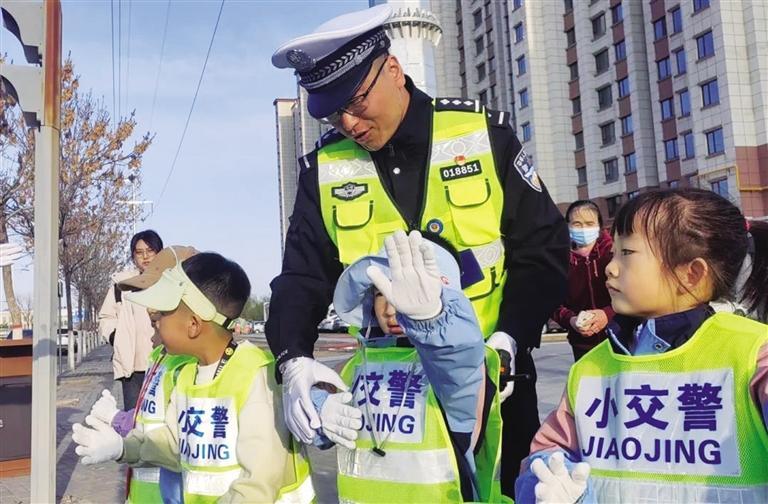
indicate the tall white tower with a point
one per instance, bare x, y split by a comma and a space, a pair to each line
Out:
414, 32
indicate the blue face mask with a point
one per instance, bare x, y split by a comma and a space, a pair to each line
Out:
584, 236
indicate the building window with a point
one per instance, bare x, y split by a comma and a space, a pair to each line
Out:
720, 187
517, 4
477, 17
664, 68
526, 132
617, 13
519, 32
670, 150
576, 105
682, 65
480, 72
630, 163
700, 5
607, 133
705, 43
604, 97
685, 103
578, 138
523, 98
715, 144
598, 26
492, 64
479, 45
677, 20
667, 109
568, 6
633, 194
581, 175
623, 85
574, 69
660, 28
710, 94
626, 125
611, 169
570, 37
620, 50
521, 65
673, 184
689, 145
484, 97
601, 61
613, 204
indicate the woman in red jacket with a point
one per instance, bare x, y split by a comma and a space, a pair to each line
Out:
587, 309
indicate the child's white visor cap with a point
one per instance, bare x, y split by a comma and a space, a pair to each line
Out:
173, 287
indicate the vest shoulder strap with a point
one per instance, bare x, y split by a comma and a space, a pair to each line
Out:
328, 138
118, 294
457, 105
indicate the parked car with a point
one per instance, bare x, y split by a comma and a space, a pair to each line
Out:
64, 334
258, 326
552, 327
332, 324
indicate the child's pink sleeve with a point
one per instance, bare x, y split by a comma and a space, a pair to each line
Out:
558, 431
759, 384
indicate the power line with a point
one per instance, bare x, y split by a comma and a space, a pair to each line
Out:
112, 25
160, 65
128, 57
119, 56
191, 108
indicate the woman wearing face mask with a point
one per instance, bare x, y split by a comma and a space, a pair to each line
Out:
587, 309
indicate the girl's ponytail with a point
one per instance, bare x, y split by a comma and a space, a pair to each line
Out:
756, 287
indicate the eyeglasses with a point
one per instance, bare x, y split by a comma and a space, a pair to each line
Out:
356, 105
144, 253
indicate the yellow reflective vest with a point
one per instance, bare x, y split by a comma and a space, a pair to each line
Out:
145, 481
401, 416
680, 426
463, 201
208, 429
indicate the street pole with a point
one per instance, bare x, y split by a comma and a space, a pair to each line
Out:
43, 475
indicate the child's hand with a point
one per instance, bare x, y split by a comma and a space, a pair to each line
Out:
416, 283
105, 408
96, 444
555, 485
340, 422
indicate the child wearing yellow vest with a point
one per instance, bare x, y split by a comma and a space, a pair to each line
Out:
673, 406
220, 428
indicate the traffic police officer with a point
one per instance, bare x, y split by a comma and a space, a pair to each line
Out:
398, 159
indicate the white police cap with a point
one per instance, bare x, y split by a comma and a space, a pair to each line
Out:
333, 60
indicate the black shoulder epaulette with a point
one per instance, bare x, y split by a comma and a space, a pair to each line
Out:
498, 118
459, 104
328, 137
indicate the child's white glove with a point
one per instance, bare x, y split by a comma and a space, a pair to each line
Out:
105, 408
555, 485
97, 444
340, 422
415, 287
503, 341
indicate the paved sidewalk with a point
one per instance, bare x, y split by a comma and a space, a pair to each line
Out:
76, 483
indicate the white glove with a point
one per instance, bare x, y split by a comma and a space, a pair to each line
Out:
415, 287
97, 444
105, 408
299, 374
503, 341
555, 485
341, 422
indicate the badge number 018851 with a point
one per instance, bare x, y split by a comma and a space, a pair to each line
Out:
460, 171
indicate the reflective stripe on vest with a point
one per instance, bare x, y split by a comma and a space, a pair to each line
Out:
208, 426
145, 481
463, 202
682, 422
618, 491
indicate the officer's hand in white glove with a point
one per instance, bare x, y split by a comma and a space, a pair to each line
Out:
341, 422
105, 408
97, 443
299, 374
555, 485
415, 287
503, 341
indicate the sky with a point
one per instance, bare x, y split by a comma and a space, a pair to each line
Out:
223, 193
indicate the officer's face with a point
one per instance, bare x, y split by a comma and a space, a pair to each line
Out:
385, 107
